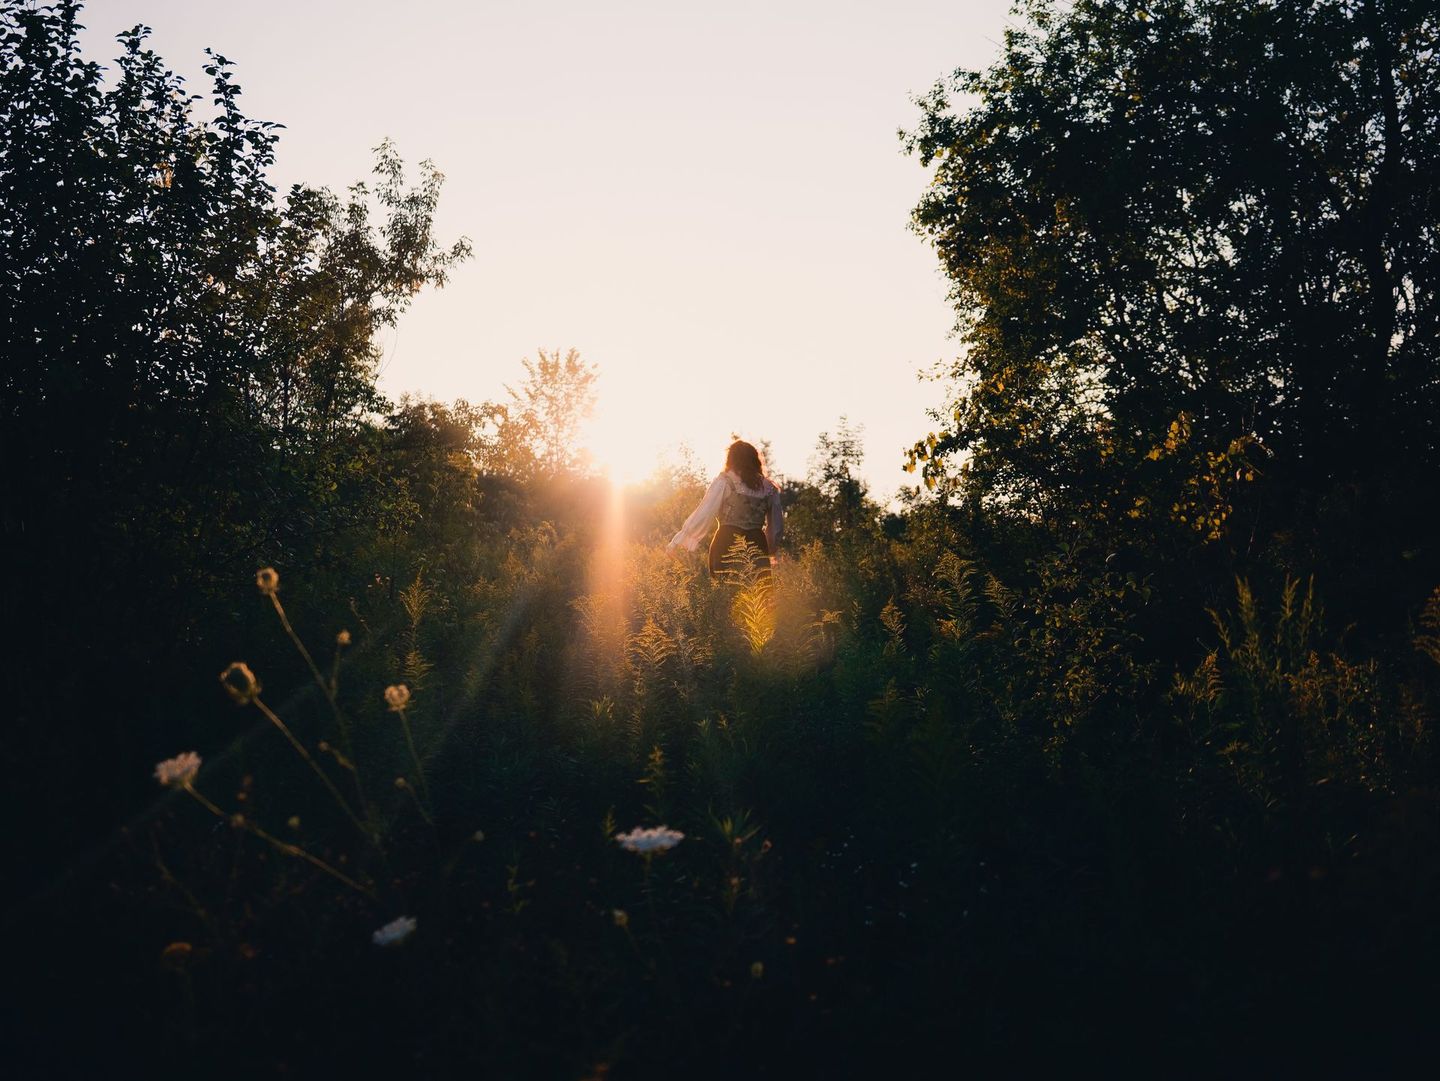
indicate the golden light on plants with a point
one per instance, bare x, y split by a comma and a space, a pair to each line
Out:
673, 794
606, 583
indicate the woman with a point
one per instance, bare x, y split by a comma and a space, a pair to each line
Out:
742, 500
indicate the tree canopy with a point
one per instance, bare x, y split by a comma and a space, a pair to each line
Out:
1192, 250
183, 347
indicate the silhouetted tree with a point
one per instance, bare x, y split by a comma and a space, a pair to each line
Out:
179, 345
187, 389
835, 470
832, 502
536, 433
1193, 251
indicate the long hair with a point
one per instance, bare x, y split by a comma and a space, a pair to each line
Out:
744, 460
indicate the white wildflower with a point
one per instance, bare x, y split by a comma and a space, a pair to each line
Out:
395, 932
646, 841
178, 771
397, 697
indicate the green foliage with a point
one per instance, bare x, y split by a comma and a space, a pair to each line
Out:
753, 608
1286, 713
832, 503
943, 723
187, 390
1192, 254
536, 433
951, 768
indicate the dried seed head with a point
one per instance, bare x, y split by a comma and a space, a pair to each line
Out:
268, 580
343, 638
176, 955
397, 697
240, 683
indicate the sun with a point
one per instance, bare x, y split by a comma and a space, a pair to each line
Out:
623, 446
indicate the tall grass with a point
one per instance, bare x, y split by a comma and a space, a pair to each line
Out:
881, 774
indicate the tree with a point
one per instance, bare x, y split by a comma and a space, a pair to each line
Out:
183, 353
187, 380
536, 433
832, 502
331, 281
835, 471
1192, 247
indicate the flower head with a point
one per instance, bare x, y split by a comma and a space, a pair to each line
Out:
621, 917
240, 683
397, 697
268, 580
343, 638
176, 955
394, 932
179, 771
646, 841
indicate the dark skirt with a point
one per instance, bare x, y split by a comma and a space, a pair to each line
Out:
725, 536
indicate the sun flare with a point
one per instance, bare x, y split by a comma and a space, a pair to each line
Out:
624, 445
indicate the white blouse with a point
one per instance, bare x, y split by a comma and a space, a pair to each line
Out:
702, 521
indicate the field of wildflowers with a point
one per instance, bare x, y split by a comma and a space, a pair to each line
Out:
592, 813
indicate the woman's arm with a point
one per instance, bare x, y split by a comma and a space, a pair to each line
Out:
699, 523
774, 520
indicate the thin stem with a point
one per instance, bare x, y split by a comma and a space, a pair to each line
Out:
329, 688
314, 669
300, 853
303, 753
649, 892
335, 672
349, 767
419, 806
205, 802
283, 846
169, 877
639, 954
410, 742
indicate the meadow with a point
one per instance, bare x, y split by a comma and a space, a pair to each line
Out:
352, 735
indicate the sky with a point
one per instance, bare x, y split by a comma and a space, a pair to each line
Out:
709, 201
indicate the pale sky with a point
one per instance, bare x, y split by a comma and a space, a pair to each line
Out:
708, 200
